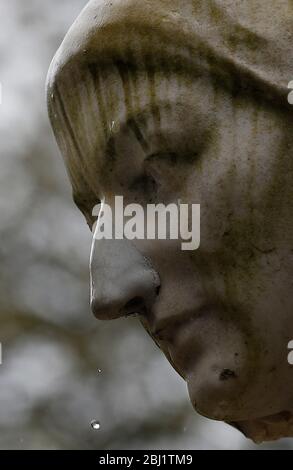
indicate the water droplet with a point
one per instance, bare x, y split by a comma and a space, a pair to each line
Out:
114, 127
290, 98
95, 425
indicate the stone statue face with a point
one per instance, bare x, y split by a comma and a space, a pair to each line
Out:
167, 100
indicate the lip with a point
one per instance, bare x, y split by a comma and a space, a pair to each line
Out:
180, 350
166, 328
179, 336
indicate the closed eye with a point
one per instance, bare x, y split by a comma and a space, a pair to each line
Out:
170, 158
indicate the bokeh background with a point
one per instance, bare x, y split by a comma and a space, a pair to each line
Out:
61, 368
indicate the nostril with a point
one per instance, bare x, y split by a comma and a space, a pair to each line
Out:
135, 306
105, 309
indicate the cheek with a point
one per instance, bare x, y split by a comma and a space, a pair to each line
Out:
244, 186
243, 244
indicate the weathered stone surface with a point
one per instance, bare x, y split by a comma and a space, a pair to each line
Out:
167, 100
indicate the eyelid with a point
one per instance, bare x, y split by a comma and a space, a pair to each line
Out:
162, 156
174, 158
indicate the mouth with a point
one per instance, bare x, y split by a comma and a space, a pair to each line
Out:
167, 328
216, 356
176, 337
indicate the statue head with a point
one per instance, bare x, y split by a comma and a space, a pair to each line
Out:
163, 101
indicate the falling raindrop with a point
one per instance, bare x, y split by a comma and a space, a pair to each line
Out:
290, 96
114, 127
95, 425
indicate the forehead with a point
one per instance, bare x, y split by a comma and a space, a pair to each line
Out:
231, 31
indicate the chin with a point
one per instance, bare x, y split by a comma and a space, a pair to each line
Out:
233, 398
231, 373
220, 402
220, 394
221, 365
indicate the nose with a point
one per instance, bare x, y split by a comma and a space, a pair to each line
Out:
123, 282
